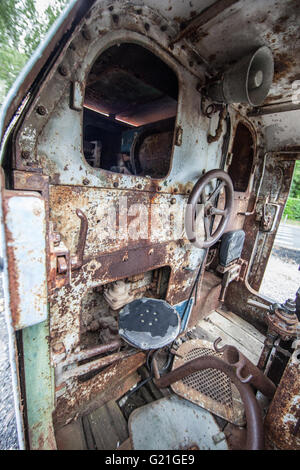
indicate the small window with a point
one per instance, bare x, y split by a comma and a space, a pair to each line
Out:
242, 158
130, 112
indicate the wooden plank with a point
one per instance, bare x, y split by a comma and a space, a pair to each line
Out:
106, 427
250, 329
210, 332
242, 337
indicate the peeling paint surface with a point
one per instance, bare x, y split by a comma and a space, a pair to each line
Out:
26, 229
66, 265
283, 414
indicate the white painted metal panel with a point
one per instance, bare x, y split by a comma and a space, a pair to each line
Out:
26, 244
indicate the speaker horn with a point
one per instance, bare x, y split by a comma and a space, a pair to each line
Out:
247, 81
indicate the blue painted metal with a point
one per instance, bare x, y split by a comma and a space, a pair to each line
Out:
184, 310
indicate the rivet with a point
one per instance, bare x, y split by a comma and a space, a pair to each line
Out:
86, 34
41, 110
173, 200
85, 181
63, 70
116, 184
25, 154
58, 348
139, 186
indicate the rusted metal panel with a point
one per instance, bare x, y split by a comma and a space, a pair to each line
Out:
48, 149
223, 42
214, 393
79, 398
282, 421
275, 190
25, 229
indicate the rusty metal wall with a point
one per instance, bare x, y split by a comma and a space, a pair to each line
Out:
282, 423
48, 158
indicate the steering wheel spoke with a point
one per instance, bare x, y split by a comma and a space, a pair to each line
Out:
216, 192
207, 227
216, 211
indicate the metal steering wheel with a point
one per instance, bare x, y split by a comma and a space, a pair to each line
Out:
202, 208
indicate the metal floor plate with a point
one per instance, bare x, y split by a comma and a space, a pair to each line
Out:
173, 423
211, 389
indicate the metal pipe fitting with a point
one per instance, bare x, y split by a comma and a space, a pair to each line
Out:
255, 435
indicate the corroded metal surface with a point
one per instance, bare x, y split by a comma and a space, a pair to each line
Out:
79, 255
283, 416
38, 377
26, 251
255, 434
79, 398
246, 371
209, 389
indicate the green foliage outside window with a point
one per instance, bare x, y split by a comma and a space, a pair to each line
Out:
22, 28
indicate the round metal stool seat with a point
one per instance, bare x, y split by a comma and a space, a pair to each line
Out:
149, 323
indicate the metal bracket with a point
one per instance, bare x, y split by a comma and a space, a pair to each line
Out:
61, 263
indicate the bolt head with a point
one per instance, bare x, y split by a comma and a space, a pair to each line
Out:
63, 70
41, 110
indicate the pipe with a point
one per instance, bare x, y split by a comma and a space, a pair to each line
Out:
96, 351
255, 436
245, 370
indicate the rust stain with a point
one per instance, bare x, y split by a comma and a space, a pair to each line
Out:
283, 63
283, 413
78, 400
13, 274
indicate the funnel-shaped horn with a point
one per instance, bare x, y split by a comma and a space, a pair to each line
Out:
247, 81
